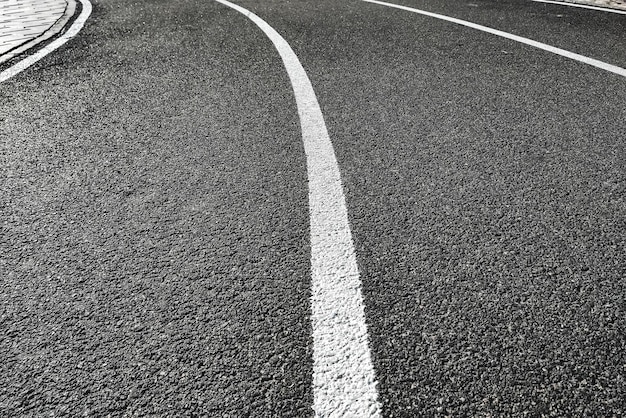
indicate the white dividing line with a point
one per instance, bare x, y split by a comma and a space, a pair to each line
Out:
582, 6
31, 59
577, 57
344, 383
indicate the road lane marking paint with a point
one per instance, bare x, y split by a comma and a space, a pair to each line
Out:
344, 383
582, 6
577, 57
53, 30
31, 59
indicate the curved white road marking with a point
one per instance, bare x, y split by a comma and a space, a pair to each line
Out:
577, 57
53, 30
344, 383
31, 59
582, 6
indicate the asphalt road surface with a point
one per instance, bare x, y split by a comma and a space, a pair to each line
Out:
155, 253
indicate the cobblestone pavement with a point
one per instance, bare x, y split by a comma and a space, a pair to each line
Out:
22, 21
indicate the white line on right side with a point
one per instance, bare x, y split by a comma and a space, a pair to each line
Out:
571, 55
344, 382
582, 6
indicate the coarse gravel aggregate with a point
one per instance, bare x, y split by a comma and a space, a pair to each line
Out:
155, 223
155, 239
484, 183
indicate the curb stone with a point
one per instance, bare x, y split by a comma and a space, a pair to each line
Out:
58, 26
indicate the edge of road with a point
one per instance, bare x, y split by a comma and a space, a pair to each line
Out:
584, 6
608, 4
65, 32
56, 28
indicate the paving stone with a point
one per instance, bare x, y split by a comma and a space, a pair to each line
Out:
24, 20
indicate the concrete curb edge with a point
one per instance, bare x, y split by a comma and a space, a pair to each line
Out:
53, 30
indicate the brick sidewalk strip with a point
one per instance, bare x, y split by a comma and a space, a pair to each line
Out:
24, 23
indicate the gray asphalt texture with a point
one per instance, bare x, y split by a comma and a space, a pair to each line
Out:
155, 251
155, 223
